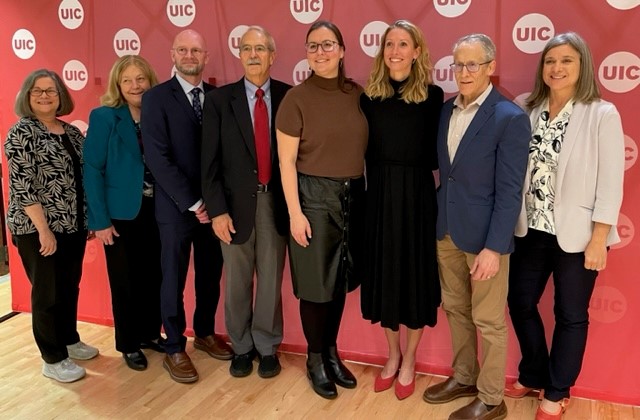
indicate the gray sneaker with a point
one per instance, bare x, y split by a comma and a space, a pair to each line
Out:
64, 371
82, 351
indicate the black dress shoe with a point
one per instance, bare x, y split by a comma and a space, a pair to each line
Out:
269, 366
336, 371
135, 360
155, 345
242, 364
320, 382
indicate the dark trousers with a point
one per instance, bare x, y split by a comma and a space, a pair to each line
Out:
536, 257
321, 322
55, 286
135, 276
176, 240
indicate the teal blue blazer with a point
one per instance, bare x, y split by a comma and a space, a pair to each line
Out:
113, 167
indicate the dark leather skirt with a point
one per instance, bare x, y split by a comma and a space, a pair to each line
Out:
332, 263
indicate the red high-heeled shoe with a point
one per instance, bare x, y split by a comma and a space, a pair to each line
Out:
541, 414
382, 384
404, 391
513, 392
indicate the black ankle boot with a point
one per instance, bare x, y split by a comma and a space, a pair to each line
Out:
336, 371
320, 382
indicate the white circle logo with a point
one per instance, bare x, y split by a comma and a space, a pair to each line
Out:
626, 231
623, 4
24, 44
305, 11
608, 304
451, 8
371, 37
234, 39
620, 72
443, 75
531, 33
126, 41
71, 14
630, 152
181, 12
300, 72
75, 75
81, 125
520, 100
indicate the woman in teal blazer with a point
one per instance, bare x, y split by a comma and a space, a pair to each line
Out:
119, 190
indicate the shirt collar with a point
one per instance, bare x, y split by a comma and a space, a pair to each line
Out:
186, 86
479, 100
251, 88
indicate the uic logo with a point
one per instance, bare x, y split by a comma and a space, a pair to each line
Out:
607, 305
451, 8
75, 75
531, 33
81, 125
234, 39
300, 72
23, 44
371, 37
620, 72
181, 12
306, 11
443, 74
630, 152
626, 231
623, 4
71, 14
126, 41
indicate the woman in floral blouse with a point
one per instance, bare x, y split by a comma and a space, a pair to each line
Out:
46, 217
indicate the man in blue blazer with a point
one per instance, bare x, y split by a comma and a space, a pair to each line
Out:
483, 144
247, 206
171, 135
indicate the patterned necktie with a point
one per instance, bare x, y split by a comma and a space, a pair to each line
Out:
261, 134
197, 106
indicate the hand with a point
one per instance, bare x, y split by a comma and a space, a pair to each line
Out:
201, 214
48, 243
223, 227
595, 256
300, 230
106, 235
485, 265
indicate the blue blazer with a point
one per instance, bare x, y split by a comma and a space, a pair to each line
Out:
480, 192
171, 134
113, 167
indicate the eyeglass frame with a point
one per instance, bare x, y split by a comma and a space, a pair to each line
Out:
320, 45
183, 51
458, 67
259, 49
51, 92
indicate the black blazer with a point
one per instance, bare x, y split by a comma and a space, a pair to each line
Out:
171, 135
229, 166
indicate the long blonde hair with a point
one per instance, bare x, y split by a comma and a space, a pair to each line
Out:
113, 96
415, 90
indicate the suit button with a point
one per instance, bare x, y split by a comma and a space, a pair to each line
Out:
253, 195
451, 178
255, 171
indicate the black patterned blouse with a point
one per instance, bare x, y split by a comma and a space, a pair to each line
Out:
42, 171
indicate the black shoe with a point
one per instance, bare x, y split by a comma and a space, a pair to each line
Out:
242, 364
269, 366
155, 345
336, 371
135, 360
320, 382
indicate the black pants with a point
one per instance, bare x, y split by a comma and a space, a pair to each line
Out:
135, 276
536, 257
321, 322
55, 286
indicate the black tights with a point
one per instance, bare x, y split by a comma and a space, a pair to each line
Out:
321, 322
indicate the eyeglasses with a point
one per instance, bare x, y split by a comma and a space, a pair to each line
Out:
326, 45
471, 67
259, 49
49, 91
185, 51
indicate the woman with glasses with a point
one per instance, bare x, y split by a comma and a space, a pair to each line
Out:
120, 208
572, 197
322, 137
401, 285
46, 217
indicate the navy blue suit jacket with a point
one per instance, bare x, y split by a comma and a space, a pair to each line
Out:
480, 192
171, 135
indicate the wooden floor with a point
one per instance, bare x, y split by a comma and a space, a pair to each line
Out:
113, 391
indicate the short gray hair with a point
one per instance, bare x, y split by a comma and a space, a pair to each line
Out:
271, 43
485, 42
22, 106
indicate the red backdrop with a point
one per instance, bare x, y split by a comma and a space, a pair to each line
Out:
81, 39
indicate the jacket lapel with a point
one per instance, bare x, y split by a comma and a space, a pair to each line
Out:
240, 107
181, 98
126, 130
570, 138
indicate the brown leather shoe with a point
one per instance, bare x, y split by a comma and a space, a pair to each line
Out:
447, 391
214, 346
477, 410
180, 367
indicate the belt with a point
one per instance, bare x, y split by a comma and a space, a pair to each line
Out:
262, 188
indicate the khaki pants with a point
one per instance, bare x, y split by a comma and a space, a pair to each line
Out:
472, 307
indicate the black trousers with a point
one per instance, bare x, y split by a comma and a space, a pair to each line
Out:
55, 286
536, 257
135, 276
